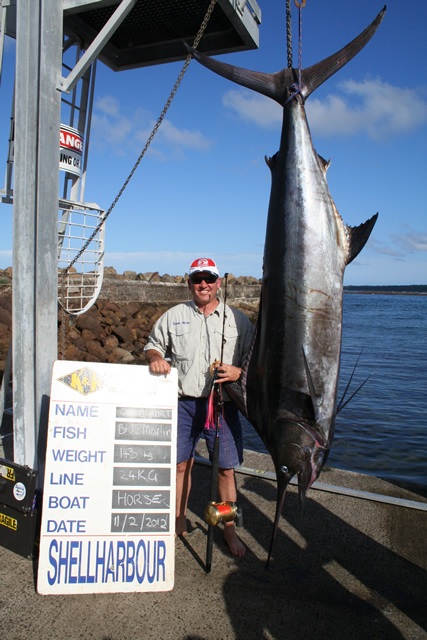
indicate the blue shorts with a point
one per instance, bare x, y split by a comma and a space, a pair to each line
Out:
191, 425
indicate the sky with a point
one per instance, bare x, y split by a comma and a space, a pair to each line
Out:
202, 189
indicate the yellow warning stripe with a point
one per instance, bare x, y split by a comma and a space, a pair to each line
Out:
7, 472
7, 521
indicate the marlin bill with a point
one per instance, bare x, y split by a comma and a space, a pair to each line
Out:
288, 388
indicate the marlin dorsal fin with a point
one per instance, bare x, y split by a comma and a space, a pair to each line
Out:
358, 237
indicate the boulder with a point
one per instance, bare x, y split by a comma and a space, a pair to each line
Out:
124, 334
88, 321
93, 347
110, 272
6, 317
123, 355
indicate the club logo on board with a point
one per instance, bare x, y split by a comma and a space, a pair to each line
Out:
83, 381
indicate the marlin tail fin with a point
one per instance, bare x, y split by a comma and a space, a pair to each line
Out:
278, 85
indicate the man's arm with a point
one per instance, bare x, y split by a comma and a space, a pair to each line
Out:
156, 362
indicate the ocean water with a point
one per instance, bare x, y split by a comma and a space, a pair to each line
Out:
383, 430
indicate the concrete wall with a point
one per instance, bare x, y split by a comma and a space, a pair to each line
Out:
139, 291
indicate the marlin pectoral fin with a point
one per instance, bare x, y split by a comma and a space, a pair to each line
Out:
313, 395
358, 237
313, 77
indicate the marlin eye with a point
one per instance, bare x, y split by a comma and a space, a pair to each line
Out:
284, 469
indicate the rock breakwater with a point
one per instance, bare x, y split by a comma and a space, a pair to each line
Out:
117, 326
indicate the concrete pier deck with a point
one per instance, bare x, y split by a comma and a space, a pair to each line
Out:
344, 568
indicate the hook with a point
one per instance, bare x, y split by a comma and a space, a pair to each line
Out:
300, 6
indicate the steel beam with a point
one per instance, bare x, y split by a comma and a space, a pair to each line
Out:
67, 84
35, 219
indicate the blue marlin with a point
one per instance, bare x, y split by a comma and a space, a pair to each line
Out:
288, 388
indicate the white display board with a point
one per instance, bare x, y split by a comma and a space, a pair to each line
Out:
108, 520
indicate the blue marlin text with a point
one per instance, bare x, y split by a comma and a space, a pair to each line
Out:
118, 561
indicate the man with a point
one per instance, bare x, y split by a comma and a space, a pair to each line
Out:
190, 334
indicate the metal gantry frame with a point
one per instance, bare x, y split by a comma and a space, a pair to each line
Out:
36, 115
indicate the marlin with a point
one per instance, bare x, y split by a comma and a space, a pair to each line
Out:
288, 388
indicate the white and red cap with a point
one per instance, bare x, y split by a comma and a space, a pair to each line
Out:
204, 264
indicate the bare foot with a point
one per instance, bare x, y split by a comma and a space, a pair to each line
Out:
181, 526
236, 546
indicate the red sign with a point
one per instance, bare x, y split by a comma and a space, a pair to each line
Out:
71, 150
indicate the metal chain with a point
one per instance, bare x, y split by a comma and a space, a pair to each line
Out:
300, 42
289, 33
153, 133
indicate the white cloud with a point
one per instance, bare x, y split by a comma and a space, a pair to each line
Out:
373, 107
183, 137
112, 130
110, 125
254, 107
412, 241
108, 105
401, 245
379, 247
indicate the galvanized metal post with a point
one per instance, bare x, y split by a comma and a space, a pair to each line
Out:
35, 218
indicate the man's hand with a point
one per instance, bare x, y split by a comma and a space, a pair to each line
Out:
227, 372
156, 363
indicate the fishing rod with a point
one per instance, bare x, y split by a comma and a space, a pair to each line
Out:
217, 512
217, 402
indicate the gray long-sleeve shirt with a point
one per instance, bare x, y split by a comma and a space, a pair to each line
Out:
193, 342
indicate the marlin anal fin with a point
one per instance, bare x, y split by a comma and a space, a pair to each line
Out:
278, 86
237, 390
314, 397
358, 237
237, 394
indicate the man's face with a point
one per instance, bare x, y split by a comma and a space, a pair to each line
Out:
203, 290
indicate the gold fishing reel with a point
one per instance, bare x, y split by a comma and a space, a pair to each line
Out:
217, 512
212, 368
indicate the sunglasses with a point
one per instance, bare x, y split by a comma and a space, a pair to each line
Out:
199, 279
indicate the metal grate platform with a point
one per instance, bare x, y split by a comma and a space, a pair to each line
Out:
154, 30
